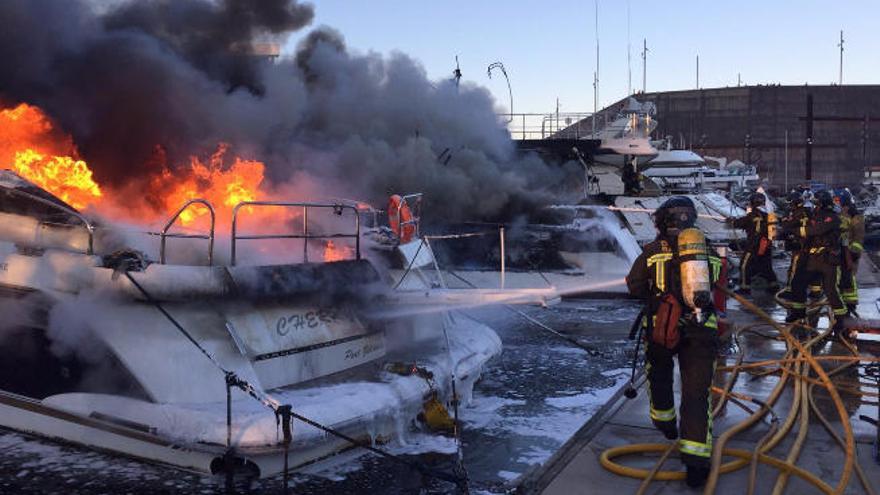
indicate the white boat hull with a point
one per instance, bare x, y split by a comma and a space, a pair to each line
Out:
152, 432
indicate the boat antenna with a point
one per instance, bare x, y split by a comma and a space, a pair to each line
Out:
456, 74
499, 65
629, 75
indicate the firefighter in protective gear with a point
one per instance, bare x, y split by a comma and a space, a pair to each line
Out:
852, 225
798, 215
757, 259
671, 271
822, 243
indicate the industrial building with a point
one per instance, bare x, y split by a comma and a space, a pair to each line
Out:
828, 134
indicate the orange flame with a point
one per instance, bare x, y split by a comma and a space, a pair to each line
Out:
33, 148
223, 187
332, 252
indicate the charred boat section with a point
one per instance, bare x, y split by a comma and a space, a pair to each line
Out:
557, 238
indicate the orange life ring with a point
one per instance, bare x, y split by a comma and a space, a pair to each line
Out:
401, 225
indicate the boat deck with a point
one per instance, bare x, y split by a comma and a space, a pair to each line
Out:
576, 467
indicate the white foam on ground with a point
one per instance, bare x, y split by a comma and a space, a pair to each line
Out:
566, 416
616, 372
508, 475
592, 397
535, 456
43, 457
483, 410
421, 443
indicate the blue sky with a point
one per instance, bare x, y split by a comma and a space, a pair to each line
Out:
549, 49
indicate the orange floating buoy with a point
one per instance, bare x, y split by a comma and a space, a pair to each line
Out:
400, 219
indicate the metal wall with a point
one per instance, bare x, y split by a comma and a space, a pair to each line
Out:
749, 123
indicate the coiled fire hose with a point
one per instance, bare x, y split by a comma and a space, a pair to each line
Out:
797, 362
285, 412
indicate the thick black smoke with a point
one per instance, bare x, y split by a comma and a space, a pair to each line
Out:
144, 83
215, 38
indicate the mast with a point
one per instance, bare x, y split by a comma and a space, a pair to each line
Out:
596, 74
644, 65
840, 74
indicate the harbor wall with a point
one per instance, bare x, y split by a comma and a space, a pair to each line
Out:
749, 123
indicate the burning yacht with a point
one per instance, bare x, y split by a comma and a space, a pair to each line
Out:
109, 349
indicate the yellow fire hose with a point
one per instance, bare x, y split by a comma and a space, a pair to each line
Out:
796, 363
866, 484
800, 411
768, 362
744, 455
849, 439
800, 397
716, 469
605, 458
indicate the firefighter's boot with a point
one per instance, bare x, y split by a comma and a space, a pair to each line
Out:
668, 428
696, 476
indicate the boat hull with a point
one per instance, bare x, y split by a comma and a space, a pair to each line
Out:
192, 437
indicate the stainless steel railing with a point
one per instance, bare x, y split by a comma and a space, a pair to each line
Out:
336, 207
210, 237
547, 125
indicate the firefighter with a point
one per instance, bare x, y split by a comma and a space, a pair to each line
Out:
632, 184
673, 275
852, 225
822, 244
757, 259
798, 215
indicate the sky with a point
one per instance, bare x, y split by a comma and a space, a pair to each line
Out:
549, 47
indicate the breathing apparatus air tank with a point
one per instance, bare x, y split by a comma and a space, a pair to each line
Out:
772, 224
696, 281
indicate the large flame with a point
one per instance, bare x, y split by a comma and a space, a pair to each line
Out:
33, 148
224, 187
